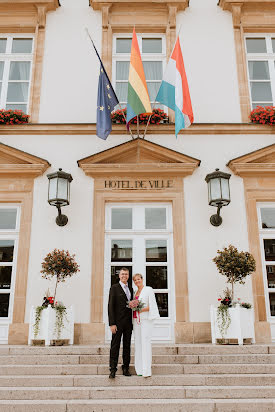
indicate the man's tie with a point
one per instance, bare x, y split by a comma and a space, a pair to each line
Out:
128, 294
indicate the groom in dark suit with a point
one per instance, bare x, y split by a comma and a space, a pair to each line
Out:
120, 322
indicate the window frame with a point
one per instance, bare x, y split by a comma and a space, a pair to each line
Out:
269, 56
11, 234
125, 57
9, 57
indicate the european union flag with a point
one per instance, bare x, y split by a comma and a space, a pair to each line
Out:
106, 102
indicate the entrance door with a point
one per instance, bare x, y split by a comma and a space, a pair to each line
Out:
140, 238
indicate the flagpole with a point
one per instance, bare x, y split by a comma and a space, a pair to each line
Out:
160, 83
137, 126
87, 31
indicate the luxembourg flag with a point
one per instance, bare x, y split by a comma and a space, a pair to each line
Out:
174, 90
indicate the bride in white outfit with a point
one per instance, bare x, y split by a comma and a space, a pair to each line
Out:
143, 326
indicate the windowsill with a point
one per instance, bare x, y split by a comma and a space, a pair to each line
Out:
120, 129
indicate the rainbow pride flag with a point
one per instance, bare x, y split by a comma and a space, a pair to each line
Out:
138, 101
174, 90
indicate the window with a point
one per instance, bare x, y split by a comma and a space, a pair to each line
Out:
260, 52
16, 52
266, 216
153, 54
9, 232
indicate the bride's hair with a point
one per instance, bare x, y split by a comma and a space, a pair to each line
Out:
137, 274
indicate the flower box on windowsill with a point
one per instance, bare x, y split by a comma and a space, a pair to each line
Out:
13, 117
47, 326
241, 326
158, 117
263, 115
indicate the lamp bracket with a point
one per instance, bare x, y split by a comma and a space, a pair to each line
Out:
61, 220
216, 220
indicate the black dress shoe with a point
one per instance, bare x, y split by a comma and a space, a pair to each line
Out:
112, 375
126, 372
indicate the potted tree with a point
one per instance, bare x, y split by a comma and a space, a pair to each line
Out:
233, 319
52, 321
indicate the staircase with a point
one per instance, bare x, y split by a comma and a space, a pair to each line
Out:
197, 378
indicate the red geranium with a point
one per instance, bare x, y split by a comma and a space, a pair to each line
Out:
11, 116
263, 115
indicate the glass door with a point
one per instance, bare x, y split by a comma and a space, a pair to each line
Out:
9, 234
139, 238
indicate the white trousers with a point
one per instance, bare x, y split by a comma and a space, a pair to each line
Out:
143, 347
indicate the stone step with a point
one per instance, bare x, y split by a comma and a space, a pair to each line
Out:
90, 359
250, 368
189, 349
250, 358
161, 369
156, 359
155, 380
137, 392
152, 405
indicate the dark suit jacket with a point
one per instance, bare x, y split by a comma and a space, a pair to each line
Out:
118, 313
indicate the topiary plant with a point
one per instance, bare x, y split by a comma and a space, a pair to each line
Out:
61, 264
235, 265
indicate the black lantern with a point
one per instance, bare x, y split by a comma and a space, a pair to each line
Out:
218, 193
59, 193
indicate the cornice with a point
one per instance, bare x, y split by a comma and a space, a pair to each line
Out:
14, 162
99, 4
49, 4
120, 129
227, 4
138, 157
142, 169
33, 170
24, 15
259, 163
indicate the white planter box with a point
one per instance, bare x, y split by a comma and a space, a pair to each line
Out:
47, 326
241, 326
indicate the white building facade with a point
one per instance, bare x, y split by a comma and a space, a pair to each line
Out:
139, 203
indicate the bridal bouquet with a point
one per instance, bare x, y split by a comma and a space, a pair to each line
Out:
136, 305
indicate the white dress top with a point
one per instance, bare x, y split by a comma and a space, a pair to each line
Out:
147, 296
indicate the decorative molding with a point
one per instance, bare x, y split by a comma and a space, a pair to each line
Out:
24, 15
251, 16
138, 157
135, 159
153, 16
120, 129
15, 162
180, 4
260, 163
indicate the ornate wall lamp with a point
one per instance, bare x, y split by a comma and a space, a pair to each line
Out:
59, 193
218, 193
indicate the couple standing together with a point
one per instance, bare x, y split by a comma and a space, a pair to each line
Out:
122, 320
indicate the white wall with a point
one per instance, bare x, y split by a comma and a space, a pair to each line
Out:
208, 49
70, 67
202, 238
70, 71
